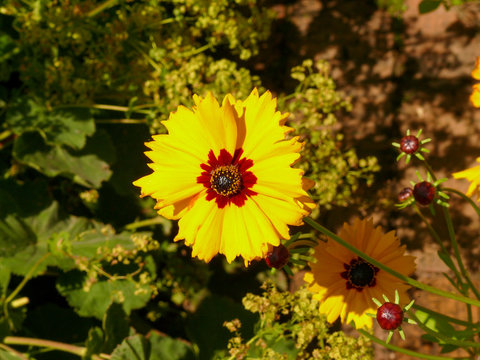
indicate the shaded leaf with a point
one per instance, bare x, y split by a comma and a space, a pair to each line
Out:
427, 6
15, 235
115, 325
68, 126
4, 279
23, 199
166, 348
132, 348
94, 342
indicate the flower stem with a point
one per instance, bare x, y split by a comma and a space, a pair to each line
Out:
153, 221
464, 197
415, 354
21, 285
378, 264
107, 4
72, 349
456, 251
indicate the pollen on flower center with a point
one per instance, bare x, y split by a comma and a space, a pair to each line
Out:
226, 180
359, 274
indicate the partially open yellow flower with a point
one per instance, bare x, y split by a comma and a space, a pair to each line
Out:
473, 175
475, 97
225, 172
344, 284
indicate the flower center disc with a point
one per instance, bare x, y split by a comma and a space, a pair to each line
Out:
359, 274
226, 180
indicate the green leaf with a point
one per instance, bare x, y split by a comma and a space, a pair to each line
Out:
15, 235
44, 226
427, 6
115, 325
95, 300
68, 126
88, 167
435, 323
4, 279
5, 355
448, 348
94, 342
166, 348
446, 259
133, 348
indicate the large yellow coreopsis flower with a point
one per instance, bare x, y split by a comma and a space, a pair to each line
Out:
344, 284
225, 172
475, 97
473, 175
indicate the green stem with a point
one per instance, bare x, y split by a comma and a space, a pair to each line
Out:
26, 278
378, 264
148, 222
464, 197
430, 170
435, 236
440, 243
456, 251
101, 7
406, 351
121, 121
21, 285
54, 345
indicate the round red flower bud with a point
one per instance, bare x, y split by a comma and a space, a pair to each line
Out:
278, 257
409, 144
389, 316
405, 194
424, 192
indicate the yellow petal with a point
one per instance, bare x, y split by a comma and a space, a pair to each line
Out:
476, 70
475, 97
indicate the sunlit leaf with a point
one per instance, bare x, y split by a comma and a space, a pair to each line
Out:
95, 299
87, 167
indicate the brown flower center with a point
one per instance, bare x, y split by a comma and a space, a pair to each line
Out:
226, 180
359, 274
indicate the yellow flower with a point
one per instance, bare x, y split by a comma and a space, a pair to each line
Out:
473, 175
225, 172
475, 97
344, 284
